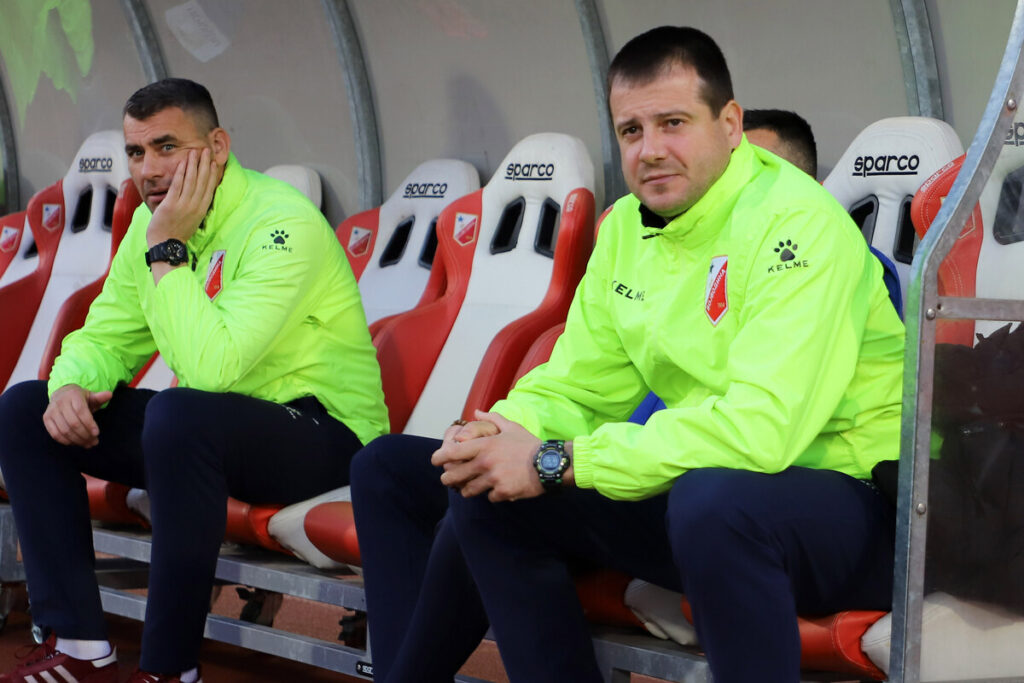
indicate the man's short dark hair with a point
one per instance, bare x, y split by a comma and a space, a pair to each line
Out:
189, 96
650, 54
793, 131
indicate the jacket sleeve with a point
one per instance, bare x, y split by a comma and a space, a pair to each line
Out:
789, 364
115, 341
589, 379
210, 345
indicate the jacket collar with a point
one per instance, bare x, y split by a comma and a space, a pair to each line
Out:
743, 165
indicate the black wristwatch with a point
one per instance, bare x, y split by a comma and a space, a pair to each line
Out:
551, 462
172, 251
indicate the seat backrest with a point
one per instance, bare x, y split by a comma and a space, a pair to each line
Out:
391, 248
984, 261
303, 178
503, 248
878, 175
12, 227
71, 315
76, 214
958, 271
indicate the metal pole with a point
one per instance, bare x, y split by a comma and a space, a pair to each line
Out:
597, 55
146, 42
360, 100
924, 307
917, 52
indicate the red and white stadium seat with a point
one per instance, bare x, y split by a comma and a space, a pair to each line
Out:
391, 248
513, 253
70, 250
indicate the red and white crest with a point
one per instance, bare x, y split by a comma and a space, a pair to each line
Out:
465, 228
359, 241
9, 238
716, 296
215, 274
51, 216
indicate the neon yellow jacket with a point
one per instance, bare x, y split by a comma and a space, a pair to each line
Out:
804, 365
286, 322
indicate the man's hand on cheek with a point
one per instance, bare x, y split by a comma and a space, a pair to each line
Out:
188, 199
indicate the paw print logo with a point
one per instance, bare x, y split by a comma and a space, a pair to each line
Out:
280, 236
786, 250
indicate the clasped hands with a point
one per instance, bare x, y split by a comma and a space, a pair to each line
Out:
489, 455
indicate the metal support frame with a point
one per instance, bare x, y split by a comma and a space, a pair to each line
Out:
360, 102
11, 179
146, 42
924, 307
917, 52
597, 55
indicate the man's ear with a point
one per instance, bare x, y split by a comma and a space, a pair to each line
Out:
220, 142
731, 118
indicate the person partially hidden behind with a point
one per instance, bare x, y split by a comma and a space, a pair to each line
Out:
240, 284
767, 330
785, 134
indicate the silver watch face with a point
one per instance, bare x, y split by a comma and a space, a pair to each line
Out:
550, 460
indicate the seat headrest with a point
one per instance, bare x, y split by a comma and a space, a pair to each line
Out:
878, 175
527, 190
91, 185
100, 161
392, 248
892, 157
302, 178
541, 165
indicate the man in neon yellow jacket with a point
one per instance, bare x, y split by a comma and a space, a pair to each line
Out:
734, 287
238, 281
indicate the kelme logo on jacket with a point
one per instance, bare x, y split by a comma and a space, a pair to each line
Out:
788, 260
215, 275
278, 241
716, 296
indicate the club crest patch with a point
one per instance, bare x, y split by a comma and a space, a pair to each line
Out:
51, 216
215, 274
716, 296
359, 241
9, 238
465, 228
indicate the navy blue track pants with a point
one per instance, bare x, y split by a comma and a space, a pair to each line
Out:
190, 450
750, 551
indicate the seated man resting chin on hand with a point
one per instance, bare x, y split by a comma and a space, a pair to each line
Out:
240, 284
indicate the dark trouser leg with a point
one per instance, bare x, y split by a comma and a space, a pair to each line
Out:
398, 502
199, 448
50, 506
757, 549
520, 555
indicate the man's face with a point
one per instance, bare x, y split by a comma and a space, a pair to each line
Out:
157, 145
673, 148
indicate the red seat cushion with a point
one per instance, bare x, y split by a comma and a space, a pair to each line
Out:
107, 502
331, 527
247, 524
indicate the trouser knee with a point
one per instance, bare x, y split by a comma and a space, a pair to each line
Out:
710, 520
22, 405
178, 430
21, 418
